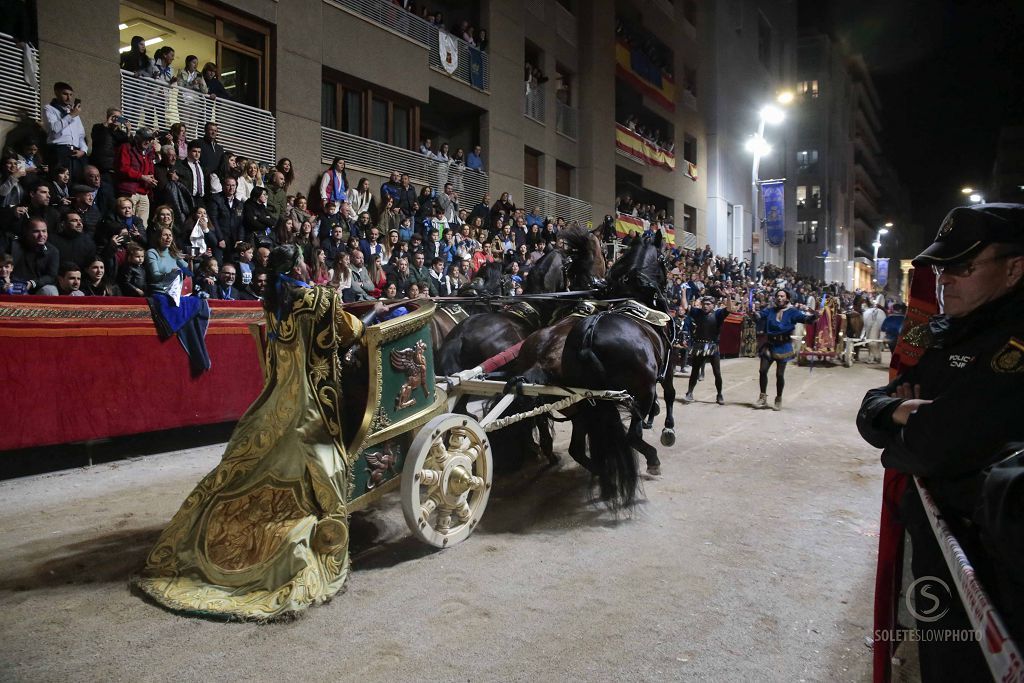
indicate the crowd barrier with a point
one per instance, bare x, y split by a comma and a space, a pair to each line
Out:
85, 368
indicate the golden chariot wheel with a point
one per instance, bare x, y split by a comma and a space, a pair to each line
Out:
446, 480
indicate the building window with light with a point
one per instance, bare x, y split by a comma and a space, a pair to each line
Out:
808, 88
806, 159
807, 232
801, 196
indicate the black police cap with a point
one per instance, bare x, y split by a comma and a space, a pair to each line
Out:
966, 230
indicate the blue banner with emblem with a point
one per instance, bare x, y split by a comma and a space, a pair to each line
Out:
774, 193
882, 271
476, 69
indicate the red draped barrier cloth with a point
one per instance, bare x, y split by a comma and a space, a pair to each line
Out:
732, 330
889, 572
83, 368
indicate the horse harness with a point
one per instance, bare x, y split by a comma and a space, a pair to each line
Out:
661, 322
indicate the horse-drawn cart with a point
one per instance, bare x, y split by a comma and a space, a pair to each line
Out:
407, 437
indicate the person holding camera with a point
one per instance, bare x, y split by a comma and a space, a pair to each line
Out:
115, 130
65, 134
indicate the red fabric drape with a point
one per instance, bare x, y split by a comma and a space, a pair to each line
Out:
889, 569
92, 368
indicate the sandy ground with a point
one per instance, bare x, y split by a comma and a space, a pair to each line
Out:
751, 558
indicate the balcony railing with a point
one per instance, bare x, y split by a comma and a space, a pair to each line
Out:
533, 103
243, 130
381, 159
470, 64
566, 120
558, 205
19, 96
393, 17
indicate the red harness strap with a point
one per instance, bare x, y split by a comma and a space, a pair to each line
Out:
503, 358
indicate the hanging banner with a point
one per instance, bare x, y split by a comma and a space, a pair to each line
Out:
643, 150
476, 68
448, 51
882, 271
774, 194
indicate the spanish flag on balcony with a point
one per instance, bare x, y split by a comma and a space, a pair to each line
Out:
636, 68
642, 150
626, 226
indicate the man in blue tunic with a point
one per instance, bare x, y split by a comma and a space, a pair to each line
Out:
780, 320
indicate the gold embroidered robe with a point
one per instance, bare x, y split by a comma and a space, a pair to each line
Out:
266, 532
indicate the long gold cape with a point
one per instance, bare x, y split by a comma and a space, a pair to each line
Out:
266, 532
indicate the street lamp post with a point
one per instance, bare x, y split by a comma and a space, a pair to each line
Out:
876, 244
759, 147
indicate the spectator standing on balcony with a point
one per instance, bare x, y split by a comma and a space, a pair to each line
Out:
474, 159
35, 261
134, 175
407, 197
481, 39
427, 148
65, 134
106, 137
71, 241
212, 152
277, 198
11, 191
444, 166
211, 76
161, 70
334, 183
136, 60
361, 198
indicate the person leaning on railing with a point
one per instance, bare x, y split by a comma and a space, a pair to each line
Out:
948, 417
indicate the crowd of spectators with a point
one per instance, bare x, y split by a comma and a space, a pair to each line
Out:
473, 35
657, 55
653, 135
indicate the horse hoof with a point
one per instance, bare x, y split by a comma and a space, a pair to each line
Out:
654, 470
668, 437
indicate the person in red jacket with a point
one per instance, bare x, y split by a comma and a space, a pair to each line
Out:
135, 172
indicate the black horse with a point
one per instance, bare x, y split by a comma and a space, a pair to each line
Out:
579, 266
611, 350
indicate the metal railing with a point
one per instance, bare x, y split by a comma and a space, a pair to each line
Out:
464, 63
558, 205
566, 119
381, 159
393, 17
19, 81
243, 130
533, 103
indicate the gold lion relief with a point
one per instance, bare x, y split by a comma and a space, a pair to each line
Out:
246, 531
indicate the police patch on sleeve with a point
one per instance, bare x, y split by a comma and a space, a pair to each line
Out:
1010, 358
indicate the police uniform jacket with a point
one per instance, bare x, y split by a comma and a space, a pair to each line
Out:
973, 371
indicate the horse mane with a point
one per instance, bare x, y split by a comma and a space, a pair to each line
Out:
639, 272
579, 246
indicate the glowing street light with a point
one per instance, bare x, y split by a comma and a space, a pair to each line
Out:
785, 97
976, 198
758, 146
967, 190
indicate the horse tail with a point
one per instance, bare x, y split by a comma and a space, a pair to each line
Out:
586, 354
614, 462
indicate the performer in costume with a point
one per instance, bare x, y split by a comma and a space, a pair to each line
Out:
707, 332
780, 321
265, 533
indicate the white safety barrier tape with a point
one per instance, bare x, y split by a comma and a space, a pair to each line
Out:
1001, 653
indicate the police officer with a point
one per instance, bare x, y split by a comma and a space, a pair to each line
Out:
948, 417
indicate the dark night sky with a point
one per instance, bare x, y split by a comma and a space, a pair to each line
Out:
949, 74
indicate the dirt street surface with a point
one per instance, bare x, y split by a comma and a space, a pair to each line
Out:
751, 558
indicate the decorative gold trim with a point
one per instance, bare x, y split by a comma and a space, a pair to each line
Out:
439, 406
